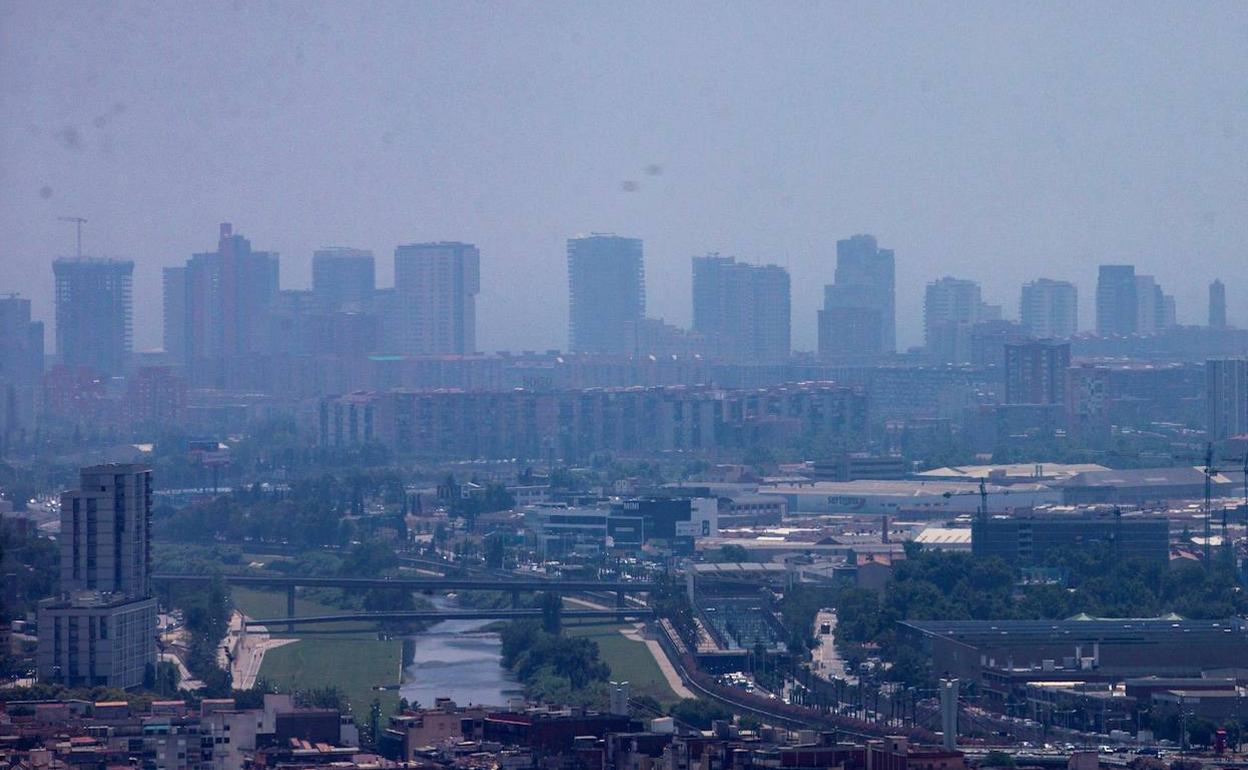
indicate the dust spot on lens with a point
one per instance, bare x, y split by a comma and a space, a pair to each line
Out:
629, 185
69, 138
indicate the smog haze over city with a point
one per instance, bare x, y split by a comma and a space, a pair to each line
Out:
623, 385
993, 141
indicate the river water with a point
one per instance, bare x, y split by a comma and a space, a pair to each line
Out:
456, 659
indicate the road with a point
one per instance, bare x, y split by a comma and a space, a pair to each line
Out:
827, 660
247, 644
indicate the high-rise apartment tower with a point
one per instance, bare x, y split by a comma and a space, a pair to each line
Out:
1050, 309
743, 311
606, 292
101, 628
436, 287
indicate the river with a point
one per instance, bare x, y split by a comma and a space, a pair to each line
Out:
456, 659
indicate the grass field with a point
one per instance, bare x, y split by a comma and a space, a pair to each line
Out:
629, 661
348, 656
354, 666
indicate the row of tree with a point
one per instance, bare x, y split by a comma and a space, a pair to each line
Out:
941, 585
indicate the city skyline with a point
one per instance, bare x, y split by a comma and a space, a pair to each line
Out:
381, 302
998, 149
382, 305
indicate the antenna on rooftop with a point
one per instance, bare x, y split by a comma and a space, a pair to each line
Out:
78, 222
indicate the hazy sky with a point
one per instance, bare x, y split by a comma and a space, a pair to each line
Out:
1002, 141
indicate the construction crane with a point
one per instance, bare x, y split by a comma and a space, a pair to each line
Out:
78, 222
982, 512
1209, 471
1245, 470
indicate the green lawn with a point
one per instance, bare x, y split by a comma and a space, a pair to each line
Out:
629, 661
348, 656
354, 666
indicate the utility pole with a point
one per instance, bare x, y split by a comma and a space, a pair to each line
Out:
78, 222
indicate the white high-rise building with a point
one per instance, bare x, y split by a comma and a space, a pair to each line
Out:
1049, 309
951, 307
436, 286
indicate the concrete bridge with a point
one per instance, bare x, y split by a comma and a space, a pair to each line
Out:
514, 585
437, 615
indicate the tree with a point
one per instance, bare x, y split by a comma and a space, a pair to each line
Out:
552, 612
731, 553
207, 614
253, 698
699, 713
165, 679
495, 551
554, 668
328, 697
369, 559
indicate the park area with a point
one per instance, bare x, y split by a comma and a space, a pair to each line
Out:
348, 656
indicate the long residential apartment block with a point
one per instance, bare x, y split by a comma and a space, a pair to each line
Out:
573, 424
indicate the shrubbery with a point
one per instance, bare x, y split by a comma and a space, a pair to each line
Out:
553, 668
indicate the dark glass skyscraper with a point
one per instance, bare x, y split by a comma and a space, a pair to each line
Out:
606, 292
1117, 302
